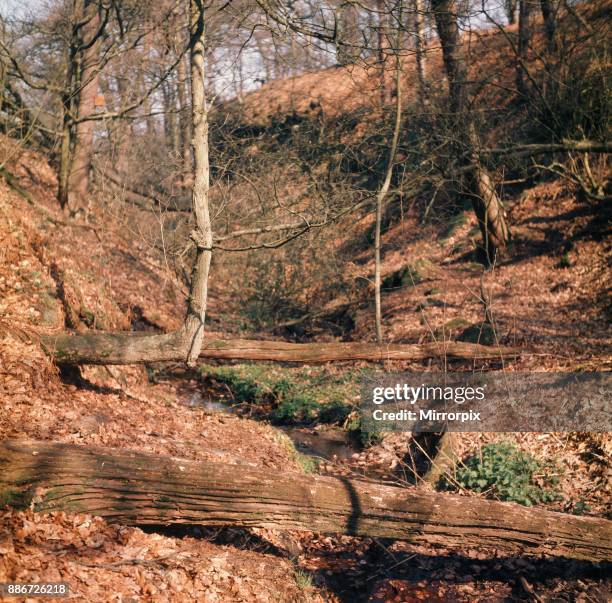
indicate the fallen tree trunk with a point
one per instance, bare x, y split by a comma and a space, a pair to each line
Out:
132, 348
138, 488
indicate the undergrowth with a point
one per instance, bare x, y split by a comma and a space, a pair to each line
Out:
297, 396
504, 472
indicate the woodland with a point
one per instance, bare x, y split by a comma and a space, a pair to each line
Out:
219, 219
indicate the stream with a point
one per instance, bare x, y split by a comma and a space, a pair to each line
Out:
325, 441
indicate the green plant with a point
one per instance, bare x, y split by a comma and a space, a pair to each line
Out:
580, 508
364, 433
303, 579
297, 396
564, 262
336, 412
296, 408
504, 472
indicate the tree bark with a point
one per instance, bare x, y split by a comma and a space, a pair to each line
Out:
182, 84
136, 348
487, 205
138, 488
349, 42
88, 89
193, 327
524, 40
68, 109
549, 14
445, 13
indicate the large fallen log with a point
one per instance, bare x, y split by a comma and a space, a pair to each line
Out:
132, 348
138, 488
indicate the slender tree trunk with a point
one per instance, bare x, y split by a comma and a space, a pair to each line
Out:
487, 204
524, 40
88, 89
380, 34
549, 15
65, 161
184, 118
347, 48
138, 488
263, 53
384, 189
186, 343
68, 111
419, 49
171, 133
510, 8
445, 13
193, 328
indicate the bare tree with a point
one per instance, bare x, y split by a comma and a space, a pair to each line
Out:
198, 294
487, 204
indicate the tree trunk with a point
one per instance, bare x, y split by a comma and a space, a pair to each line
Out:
384, 188
487, 204
510, 8
380, 35
349, 38
183, 118
88, 89
138, 488
135, 348
549, 14
445, 13
65, 161
68, 109
524, 40
193, 328
419, 49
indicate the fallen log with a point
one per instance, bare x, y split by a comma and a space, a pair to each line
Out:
138, 488
132, 348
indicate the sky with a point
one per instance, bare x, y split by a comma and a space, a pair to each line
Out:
17, 8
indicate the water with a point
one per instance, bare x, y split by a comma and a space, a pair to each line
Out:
330, 443
327, 442
196, 398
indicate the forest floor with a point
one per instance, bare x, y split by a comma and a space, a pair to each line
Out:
59, 273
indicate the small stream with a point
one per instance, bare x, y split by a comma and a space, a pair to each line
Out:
324, 441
